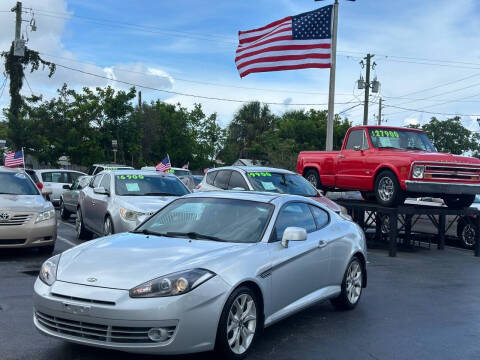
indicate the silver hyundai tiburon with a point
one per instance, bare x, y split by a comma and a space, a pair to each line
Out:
208, 271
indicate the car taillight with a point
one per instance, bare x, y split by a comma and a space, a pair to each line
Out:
197, 187
39, 185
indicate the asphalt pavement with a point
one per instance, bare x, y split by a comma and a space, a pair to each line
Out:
420, 305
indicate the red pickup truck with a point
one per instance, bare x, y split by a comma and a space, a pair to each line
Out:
391, 163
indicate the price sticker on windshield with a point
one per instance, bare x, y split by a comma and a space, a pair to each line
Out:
259, 174
130, 177
385, 133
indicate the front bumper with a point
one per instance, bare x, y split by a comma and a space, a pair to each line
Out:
29, 234
109, 318
431, 187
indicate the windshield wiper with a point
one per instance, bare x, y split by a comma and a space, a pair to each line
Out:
195, 235
148, 232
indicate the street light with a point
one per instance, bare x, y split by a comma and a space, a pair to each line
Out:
114, 148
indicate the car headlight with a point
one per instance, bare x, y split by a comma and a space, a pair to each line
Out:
48, 271
343, 210
173, 284
130, 215
45, 215
418, 171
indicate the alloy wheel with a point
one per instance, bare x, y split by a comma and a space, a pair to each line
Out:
385, 188
78, 221
62, 209
241, 323
354, 282
107, 227
312, 180
468, 235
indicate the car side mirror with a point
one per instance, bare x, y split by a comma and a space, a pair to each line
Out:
67, 187
293, 233
101, 191
357, 148
238, 188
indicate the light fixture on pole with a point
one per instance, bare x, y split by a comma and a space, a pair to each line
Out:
115, 149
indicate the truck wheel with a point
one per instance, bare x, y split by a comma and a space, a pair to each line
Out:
313, 178
387, 189
466, 232
458, 201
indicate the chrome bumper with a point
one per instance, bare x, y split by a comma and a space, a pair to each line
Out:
430, 187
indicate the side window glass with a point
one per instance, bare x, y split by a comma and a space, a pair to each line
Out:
321, 216
211, 177
105, 182
295, 214
365, 141
96, 180
354, 139
75, 185
221, 180
237, 181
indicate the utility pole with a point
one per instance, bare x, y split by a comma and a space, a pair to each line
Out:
18, 21
139, 100
331, 90
367, 89
380, 111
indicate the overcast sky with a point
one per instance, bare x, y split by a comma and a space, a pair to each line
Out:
427, 53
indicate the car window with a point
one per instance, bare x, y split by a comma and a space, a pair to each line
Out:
211, 177
106, 182
294, 214
83, 181
237, 181
96, 181
321, 216
148, 185
60, 177
281, 183
90, 170
75, 185
221, 180
98, 169
354, 139
72, 176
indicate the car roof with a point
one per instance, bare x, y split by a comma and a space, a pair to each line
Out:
135, 172
258, 196
10, 170
385, 127
52, 170
255, 169
112, 165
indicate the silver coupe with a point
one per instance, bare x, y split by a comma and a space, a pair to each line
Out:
208, 271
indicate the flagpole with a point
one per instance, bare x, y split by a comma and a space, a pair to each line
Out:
331, 92
23, 158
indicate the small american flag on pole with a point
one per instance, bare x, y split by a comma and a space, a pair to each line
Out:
164, 165
295, 42
14, 158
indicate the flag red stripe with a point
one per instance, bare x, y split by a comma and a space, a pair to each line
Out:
285, 67
283, 48
279, 38
266, 26
282, 58
273, 32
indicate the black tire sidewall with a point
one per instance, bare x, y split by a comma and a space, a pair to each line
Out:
108, 218
316, 175
342, 302
462, 224
222, 348
397, 195
64, 213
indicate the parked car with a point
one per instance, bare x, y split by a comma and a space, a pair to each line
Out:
26, 218
54, 179
96, 168
390, 164
197, 179
208, 271
254, 178
183, 174
119, 200
46, 192
69, 198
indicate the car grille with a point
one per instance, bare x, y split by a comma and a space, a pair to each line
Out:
12, 241
452, 172
92, 301
103, 333
18, 219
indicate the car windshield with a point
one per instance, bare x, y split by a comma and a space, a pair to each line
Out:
17, 184
281, 183
229, 220
179, 172
400, 139
148, 185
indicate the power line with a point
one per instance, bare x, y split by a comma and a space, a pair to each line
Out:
426, 112
184, 94
26, 80
4, 85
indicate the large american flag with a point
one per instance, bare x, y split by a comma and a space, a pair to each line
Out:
164, 165
295, 42
14, 158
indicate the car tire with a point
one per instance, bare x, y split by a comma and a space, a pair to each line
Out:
387, 189
352, 286
236, 336
466, 232
64, 213
82, 233
313, 178
108, 226
458, 201
46, 250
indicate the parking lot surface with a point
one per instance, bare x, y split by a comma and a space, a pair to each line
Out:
420, 305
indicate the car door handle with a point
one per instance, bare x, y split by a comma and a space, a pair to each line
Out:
322, 244
341, 156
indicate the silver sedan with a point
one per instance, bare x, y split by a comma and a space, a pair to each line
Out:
208, 271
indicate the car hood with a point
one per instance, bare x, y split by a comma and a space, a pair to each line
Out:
30, 203
145, 204
419, 156
126, 260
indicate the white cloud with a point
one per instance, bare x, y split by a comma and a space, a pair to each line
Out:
411, 121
